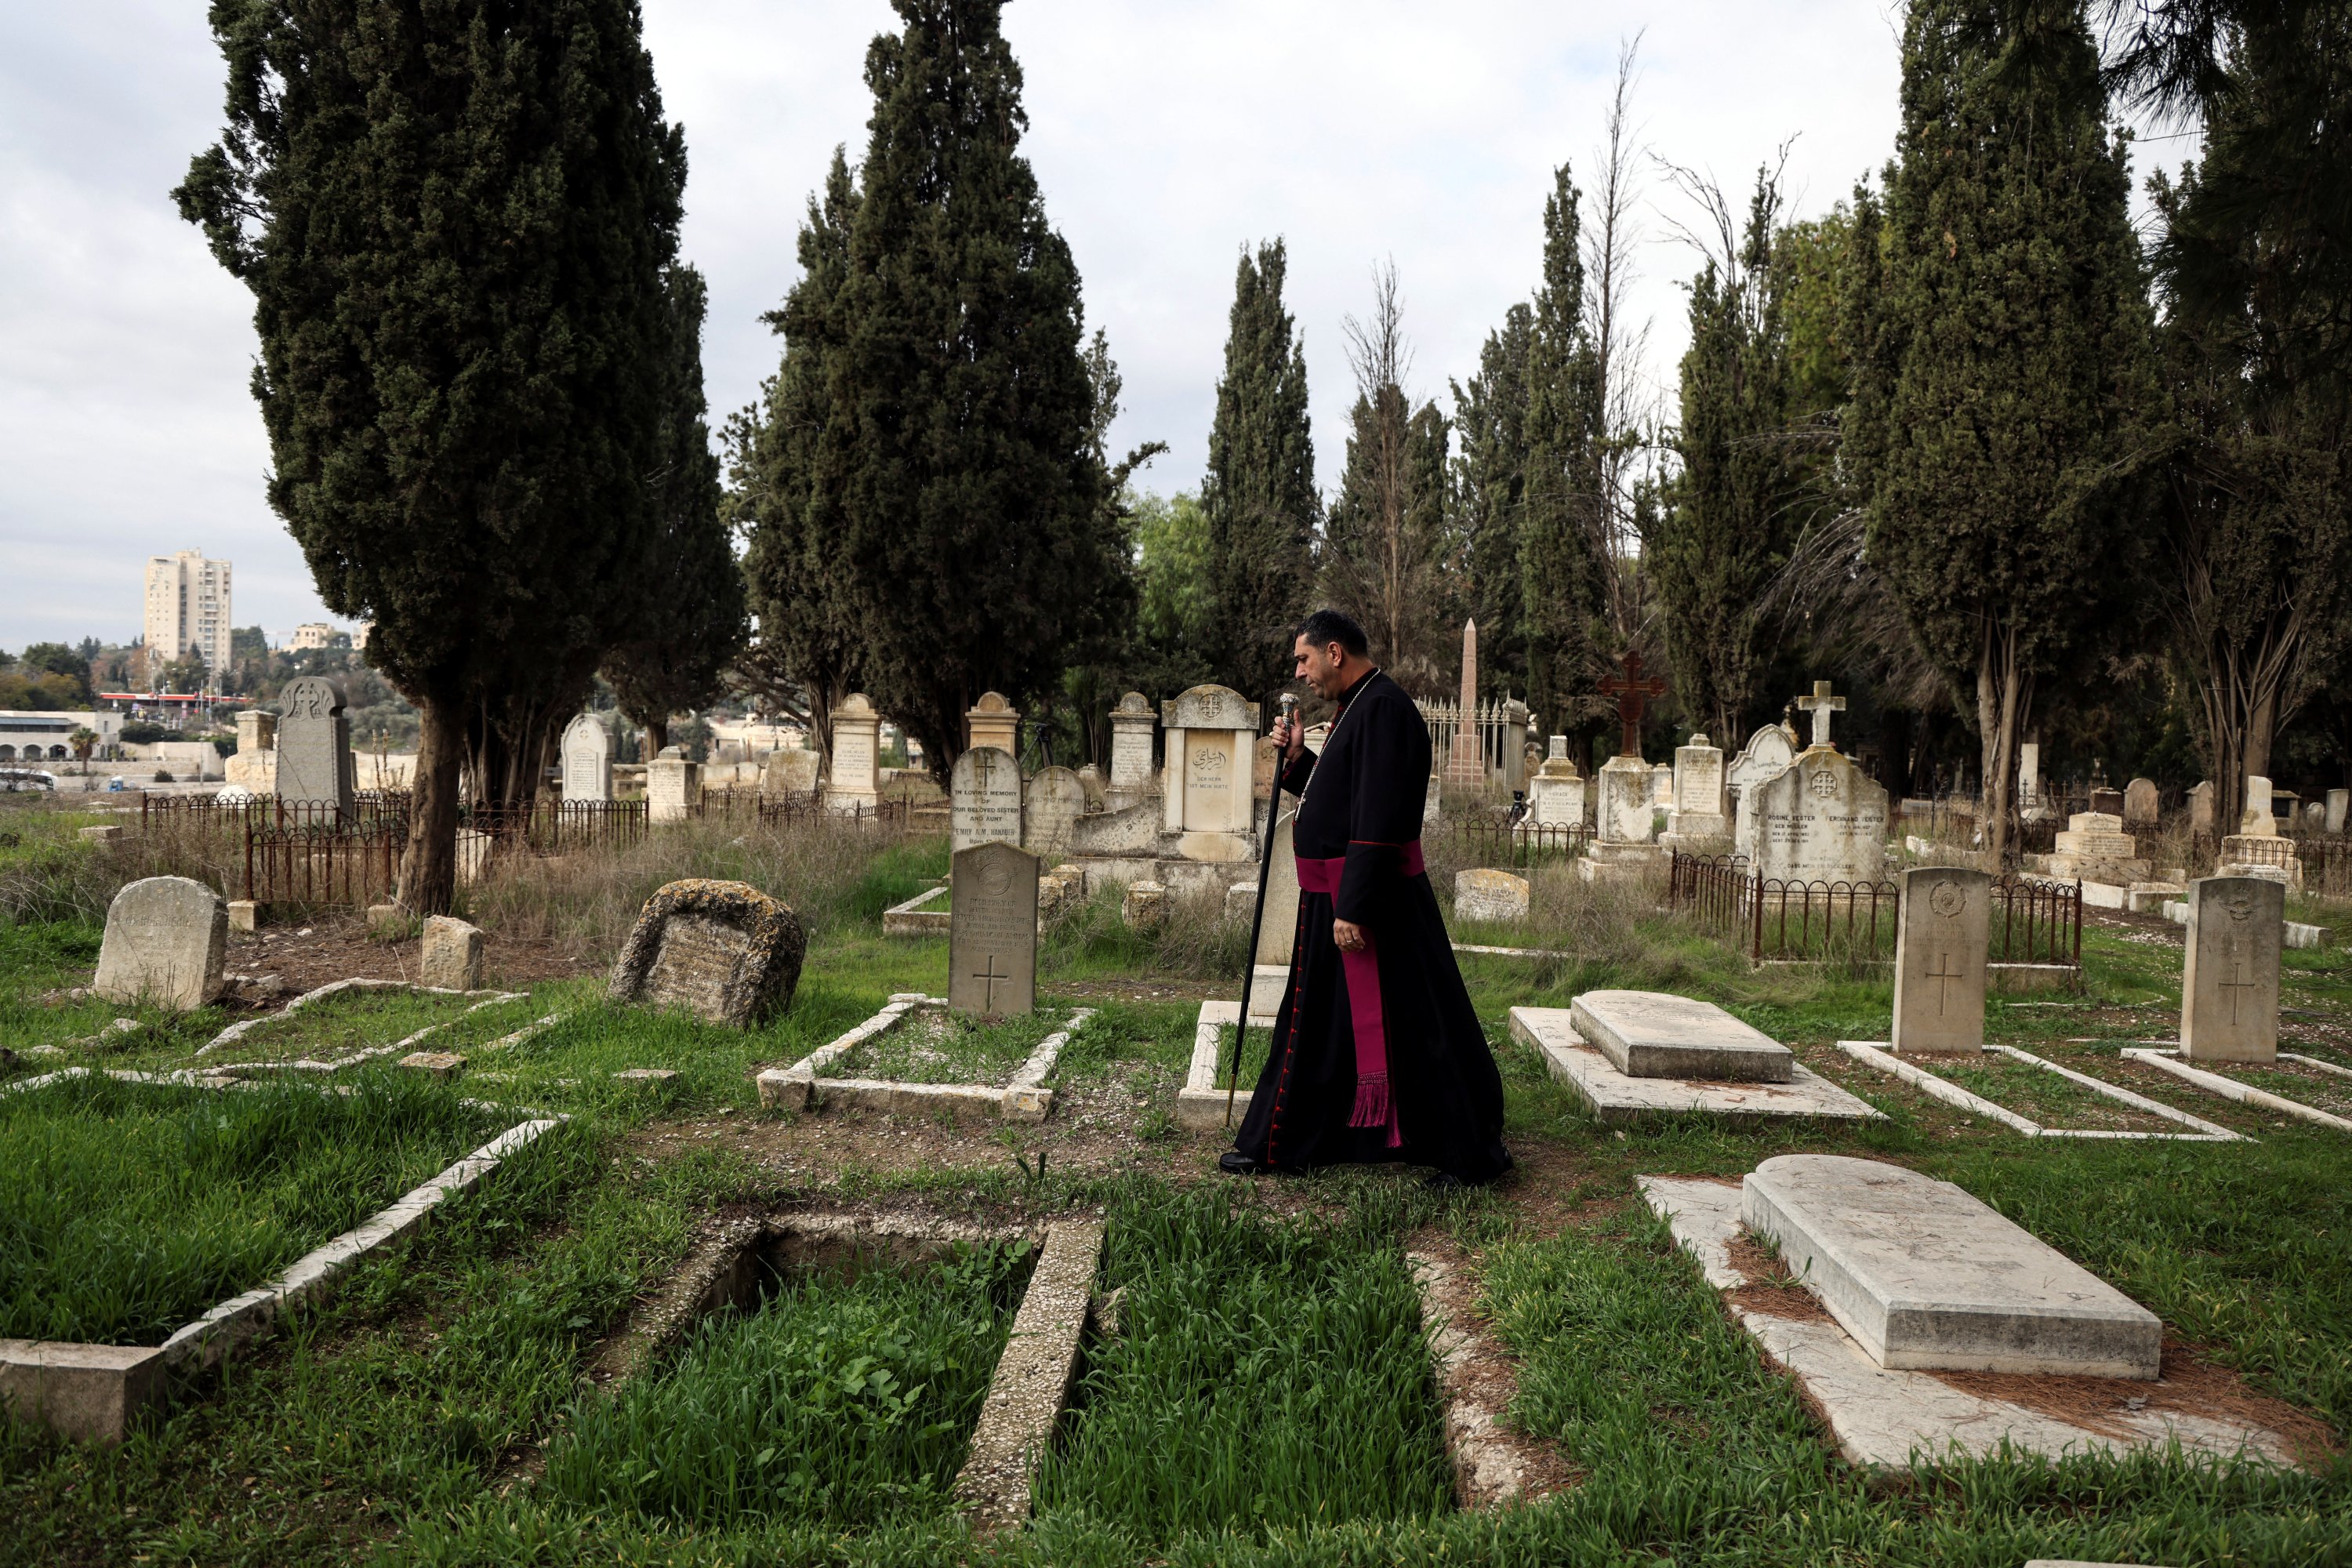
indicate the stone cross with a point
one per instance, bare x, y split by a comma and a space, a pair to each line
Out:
1631, 688
1820, 705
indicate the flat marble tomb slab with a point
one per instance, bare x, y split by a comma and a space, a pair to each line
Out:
1614, 1097
1651, 1034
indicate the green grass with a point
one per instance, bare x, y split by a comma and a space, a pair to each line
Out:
933, 1045
131, 1209
1269, 1374
842, 1400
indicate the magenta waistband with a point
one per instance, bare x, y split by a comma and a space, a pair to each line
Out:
1323, 875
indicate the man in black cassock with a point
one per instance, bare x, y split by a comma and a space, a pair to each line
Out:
1377, 1055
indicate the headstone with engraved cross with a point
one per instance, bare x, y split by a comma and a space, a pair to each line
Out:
992, 931
1820, 705
2230, 987
1944, 923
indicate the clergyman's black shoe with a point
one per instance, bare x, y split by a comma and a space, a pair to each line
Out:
1233, 1163
1445, 1182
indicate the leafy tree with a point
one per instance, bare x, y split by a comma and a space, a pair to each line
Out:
1489, 486
1259, 496
1730, 517
805, 656
454, 221
56, 658
956, 476
2003, 388
689, 610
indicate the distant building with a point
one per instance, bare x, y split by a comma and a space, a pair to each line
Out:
188, 607
360, 635
44, 738
312, 634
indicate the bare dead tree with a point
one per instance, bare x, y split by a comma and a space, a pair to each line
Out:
1628, 408
1379, 562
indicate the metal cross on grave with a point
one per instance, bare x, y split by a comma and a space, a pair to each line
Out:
988, 993
1631, 689
1820, 705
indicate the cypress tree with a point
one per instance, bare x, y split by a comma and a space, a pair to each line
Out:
2002, 393
689, 608
955, 469
1726, 519
455, 222
1490, 478
1562, 576
799, 584
1259, 495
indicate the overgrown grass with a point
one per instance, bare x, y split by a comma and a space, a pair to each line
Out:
841, 1401
935, 1047
1270, 1374
129, 1208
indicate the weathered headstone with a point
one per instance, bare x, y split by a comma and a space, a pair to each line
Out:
1090, 779
1466, 764
2230, 981
1768, 754
1823, 820
1277, 935
1820, 705
789, 773
1131, 769
673, 787
1940, 946
1555, 794
1627, 814
2028, 779
1485, 895
2140, 802
2314, 817
2200, 809
1698, 791
1055, 801
1518, 742
2107, 803
725, 952
2260, 819
166, 943
1661, 786
1207, 801
992, 931
1144, 907
587, 749
2094, 847
314, 748
855, 781
993, 721
984, 799
451, 955
2337, 801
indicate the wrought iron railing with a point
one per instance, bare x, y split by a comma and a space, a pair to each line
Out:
2034, 921
1521, 844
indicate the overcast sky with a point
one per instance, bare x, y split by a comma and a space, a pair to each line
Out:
1166, 135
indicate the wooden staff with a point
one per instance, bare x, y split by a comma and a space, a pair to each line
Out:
1257, 916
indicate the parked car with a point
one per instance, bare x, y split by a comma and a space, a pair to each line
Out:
13, 779
115, 785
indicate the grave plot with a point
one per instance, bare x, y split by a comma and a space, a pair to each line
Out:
918, 1056
1268, 1375
1630, 1054
349, 1022
841, 1372
2018, 1089
133, 1206
2307, 1088
1923, 1326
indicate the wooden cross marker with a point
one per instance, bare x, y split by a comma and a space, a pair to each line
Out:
1820, 705
991, 975
1631, 689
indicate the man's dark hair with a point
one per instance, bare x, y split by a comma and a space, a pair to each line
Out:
1325, 627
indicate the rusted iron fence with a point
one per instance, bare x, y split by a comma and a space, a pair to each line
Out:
2034, 921
358, 864
783, 810
1516, 843
560, 827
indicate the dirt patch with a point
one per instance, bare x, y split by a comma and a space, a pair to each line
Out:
337, 946
1771, 1291
2188, 1384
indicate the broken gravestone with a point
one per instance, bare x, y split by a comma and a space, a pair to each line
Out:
451, 955
166, 943
725, 952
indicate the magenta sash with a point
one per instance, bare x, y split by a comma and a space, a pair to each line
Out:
1375, 1106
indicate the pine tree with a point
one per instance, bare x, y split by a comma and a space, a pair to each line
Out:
800, 585
1729, 518
955, 470
1259, 493
1490, 478
1562, 575
2003, 392
455, 223
689, 609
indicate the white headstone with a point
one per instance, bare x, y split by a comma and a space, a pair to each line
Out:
1206, 775
673, 787
2029, 775
2258, 821
1130, 744
1055, 801
1662, 785
1627, 814
1940, 946
2338, 799
856, 780
1765, 756
993, 721
1822, 820
1698, 791
1820, 705
166, 943
984, 799
1555, 794
587, 749
1279, 932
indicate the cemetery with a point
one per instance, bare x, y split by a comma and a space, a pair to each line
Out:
1729, 948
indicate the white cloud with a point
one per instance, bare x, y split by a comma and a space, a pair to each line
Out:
1166, 135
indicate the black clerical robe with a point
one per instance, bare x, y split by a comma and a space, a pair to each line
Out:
1376, 1056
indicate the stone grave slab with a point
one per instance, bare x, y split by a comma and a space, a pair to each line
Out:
992, 931
1923, 1275
983, 798
1940, 947
725, 952
167, 942
1650, 1034
2230, 981
451, 956
1616, 1098
1022, 1098
1898, 1420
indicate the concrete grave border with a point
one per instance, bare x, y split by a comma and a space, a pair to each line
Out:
244, 1026
368, 1053
1025, 1099
1493, 1463
1892, 1419
911, 919
1876, 1054
92, 1393
1615, 1097
2246, 1093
